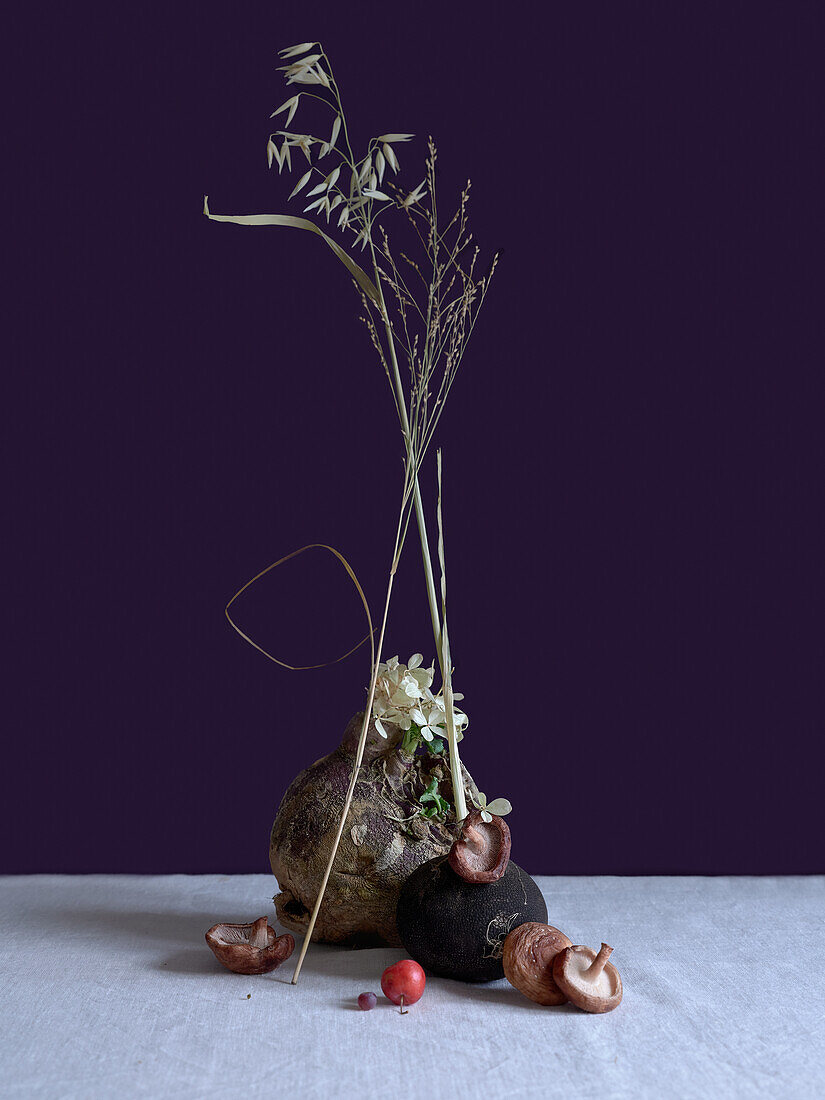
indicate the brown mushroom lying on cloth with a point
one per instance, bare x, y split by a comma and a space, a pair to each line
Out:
543, 964
588, 979
529, 951
249, 948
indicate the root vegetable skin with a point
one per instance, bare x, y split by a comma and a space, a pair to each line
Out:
588, 979
529, 952
384, 839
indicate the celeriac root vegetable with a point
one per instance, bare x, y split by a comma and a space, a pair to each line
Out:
385, 839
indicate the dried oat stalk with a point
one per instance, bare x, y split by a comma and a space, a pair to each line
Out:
435, 297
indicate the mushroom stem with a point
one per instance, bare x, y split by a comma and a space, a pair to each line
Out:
597, 966
258, 937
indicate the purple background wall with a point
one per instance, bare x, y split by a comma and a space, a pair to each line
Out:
633, 451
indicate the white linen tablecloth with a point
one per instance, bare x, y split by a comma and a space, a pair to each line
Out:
109, 990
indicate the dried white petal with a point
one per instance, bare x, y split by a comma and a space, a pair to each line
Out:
392, 159
396, 137
373, 181
307, 77
292, 51
297, 66
333, 177
380, 164
303, 142
302, 182
380, 728
365, 169
499, 807
414, 661
312, 205
322, 186
322, 152
372, 194
415, 195
485, 816
288, 104
343, 218
271, 152
336, 129
285, 156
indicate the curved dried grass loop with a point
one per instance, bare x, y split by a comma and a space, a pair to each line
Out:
351, 573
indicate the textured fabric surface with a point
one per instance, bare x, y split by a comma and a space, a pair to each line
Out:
108, 989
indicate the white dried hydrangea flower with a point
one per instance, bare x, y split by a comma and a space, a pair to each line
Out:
404, 696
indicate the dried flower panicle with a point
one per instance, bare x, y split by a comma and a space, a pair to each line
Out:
436, 299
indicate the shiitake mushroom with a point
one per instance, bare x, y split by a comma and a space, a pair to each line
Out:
529, 951
481, 851
249, 948
456, 928
586, 977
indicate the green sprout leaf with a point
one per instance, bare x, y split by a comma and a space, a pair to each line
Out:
439, 805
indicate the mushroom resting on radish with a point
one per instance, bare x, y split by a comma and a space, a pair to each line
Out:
482, 851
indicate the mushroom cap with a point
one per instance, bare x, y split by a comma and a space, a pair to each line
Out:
591, 987
482, 850
249, 948
529, 951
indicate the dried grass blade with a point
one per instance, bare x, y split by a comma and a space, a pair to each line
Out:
446, 670
350, 572
357, 272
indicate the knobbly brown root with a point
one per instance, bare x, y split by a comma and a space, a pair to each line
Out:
482, 851
385, 838
249, 948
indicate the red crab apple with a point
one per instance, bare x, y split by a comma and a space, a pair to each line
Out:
403, 983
